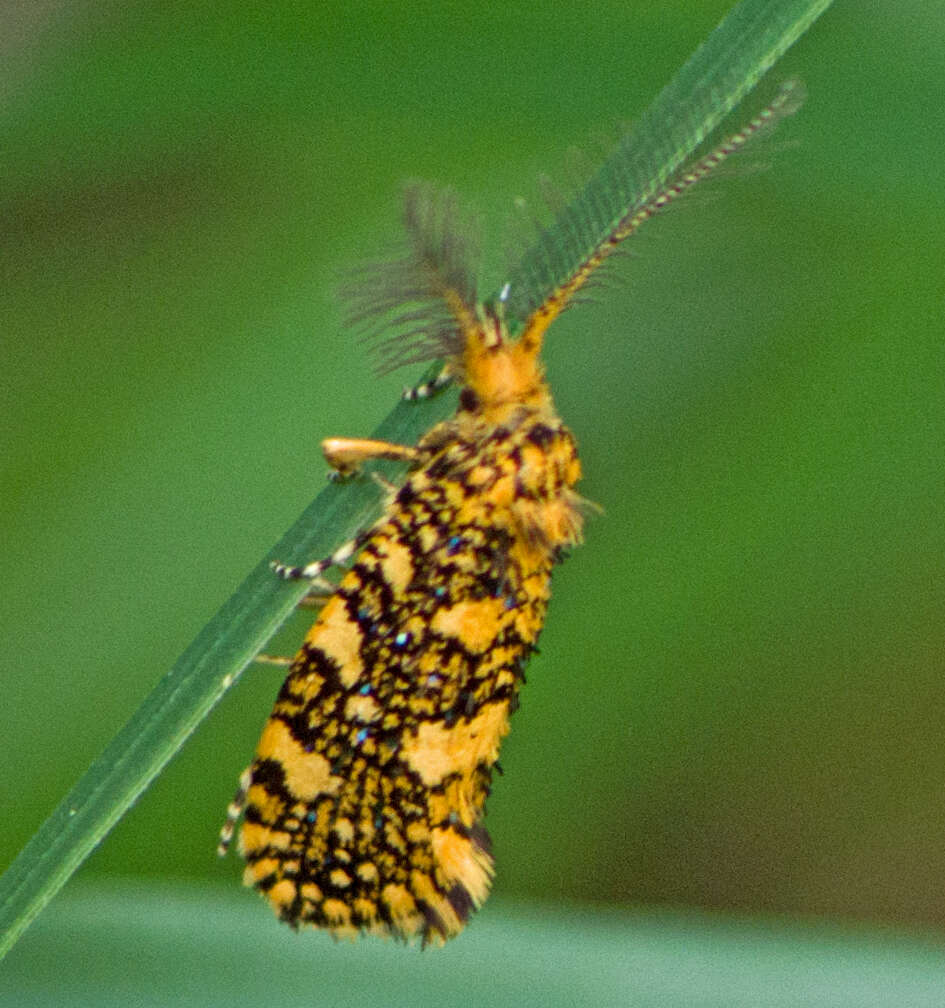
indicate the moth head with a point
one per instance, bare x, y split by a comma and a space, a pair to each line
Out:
501, 371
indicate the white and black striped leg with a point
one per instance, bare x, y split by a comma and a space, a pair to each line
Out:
427, 389
234, 811
314, 571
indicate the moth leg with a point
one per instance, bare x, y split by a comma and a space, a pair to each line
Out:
427, 389
314, 571
281, 661
390, 489
234, 811
346, 455
318, 594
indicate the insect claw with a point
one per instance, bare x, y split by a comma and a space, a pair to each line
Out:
284, 571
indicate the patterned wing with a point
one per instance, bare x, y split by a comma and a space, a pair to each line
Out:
370, 780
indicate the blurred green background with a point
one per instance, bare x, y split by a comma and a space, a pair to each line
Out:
739, 703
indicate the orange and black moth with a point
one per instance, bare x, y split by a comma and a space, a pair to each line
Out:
363, 806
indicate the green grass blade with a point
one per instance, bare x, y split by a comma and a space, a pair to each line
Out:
190, 690
713, 81
719, 74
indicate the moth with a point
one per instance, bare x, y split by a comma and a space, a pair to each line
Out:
363, 806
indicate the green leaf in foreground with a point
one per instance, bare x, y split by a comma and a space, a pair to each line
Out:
197, 946
716, 78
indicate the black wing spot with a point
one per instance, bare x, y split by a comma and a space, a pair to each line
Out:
460, 901
542, 435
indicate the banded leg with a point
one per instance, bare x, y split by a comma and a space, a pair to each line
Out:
234, 811
314, 571
427, 389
